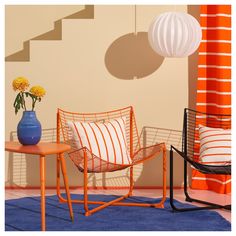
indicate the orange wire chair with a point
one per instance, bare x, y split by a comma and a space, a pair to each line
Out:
88, 162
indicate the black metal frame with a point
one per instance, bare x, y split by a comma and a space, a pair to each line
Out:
183, 154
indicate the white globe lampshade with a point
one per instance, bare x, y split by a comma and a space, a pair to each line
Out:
175, 34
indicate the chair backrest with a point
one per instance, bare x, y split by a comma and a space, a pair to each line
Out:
192, 120
63, 129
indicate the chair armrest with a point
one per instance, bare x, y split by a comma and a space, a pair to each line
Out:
148, 152
186, 157
153, 135
204, 168
177, 151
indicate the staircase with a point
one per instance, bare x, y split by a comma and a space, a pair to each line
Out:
54, 34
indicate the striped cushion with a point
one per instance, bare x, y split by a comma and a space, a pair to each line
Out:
105, 140
215, 145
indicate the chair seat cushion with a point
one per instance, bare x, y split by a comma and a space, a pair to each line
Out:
107, 140
215, 145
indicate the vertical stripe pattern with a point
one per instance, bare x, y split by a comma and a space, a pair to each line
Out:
105, 140
214, 81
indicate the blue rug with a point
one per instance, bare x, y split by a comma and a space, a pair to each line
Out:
24, 214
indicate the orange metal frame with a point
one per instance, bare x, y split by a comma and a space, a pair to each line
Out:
117, 201
42, 150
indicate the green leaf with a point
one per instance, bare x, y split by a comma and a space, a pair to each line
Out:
17, 98
17, 107
19, 102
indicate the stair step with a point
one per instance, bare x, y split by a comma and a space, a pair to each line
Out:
53, 34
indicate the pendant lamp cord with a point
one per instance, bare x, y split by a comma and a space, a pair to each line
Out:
135, 20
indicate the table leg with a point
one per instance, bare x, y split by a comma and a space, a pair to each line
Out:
58, 176
63, 168
42, 184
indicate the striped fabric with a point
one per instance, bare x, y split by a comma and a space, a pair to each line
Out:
214, 80
105, 140
215, 145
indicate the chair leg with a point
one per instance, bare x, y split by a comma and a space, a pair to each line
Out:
172, 187
164, 169
87, 213
63, 168
117, 201
131, 181
188, 198
61, 199
171, 182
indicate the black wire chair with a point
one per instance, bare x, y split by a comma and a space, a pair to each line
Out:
190, 135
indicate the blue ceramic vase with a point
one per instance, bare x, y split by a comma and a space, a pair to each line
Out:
29, 129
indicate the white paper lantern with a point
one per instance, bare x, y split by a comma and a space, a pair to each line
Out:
175, 34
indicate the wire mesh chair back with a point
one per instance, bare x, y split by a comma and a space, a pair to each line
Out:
192, 120
64, 132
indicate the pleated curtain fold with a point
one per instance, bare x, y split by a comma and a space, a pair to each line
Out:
214, 80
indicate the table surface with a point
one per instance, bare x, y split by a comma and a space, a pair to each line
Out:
42, 148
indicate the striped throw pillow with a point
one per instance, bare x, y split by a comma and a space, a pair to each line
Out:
105, 140
215, 145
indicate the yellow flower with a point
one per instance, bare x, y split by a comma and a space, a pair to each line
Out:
38, 91
20, 83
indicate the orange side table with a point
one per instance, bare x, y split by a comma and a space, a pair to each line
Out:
43, 149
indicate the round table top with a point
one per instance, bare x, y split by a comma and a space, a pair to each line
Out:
42, 148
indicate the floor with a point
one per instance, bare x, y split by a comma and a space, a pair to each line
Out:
202, 194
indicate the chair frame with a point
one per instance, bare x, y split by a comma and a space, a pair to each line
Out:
117, 201
188, 198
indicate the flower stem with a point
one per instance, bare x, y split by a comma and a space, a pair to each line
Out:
23, 99
33, 103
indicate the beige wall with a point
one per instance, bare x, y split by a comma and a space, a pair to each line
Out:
26, 22
74, 73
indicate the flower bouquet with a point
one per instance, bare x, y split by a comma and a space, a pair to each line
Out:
29, 129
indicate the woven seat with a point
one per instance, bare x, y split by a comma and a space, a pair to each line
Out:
127, 145
96, 165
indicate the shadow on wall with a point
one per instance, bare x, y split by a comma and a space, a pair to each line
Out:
23, 170
54, 34
194, 10
131, 56
152, 170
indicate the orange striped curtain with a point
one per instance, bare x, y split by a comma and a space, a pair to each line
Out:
214, 80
